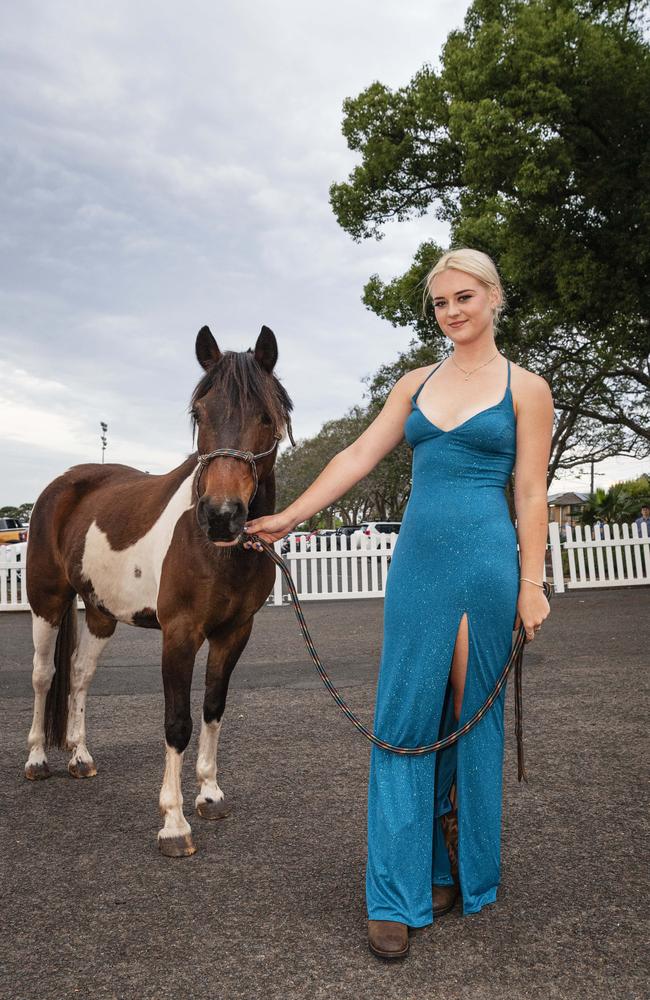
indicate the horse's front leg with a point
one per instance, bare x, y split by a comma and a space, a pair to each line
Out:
180, 645
226, 647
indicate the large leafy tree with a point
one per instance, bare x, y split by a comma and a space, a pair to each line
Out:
381, 495
532, 142
22, 513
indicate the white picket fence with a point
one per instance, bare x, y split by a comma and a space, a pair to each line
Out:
13, 595
337, 570
621, 558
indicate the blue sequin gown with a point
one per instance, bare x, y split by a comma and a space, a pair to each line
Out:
456, 552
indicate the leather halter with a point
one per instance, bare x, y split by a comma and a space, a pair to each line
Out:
245, 456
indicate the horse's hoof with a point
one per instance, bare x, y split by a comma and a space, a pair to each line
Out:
38, 772
82, 768
211, 809
177, 847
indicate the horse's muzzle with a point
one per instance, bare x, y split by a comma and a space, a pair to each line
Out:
221, 520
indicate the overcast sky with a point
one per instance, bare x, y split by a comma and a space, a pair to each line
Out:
167, 165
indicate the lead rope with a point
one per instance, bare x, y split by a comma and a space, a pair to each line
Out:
514, 660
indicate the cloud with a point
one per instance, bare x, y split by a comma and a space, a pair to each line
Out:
165, 167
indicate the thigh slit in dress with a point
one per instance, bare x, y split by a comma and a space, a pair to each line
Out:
456, 553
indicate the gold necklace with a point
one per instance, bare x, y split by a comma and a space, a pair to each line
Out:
467, 374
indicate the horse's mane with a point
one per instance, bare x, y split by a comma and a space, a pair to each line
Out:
239, 380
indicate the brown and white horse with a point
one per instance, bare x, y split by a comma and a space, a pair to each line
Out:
160, 552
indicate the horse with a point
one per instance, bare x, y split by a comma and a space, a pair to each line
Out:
160, 551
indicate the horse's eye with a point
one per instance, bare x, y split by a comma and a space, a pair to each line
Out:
194, 413
265, 418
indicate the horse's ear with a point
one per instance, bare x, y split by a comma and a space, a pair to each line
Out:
207, 351
266, 349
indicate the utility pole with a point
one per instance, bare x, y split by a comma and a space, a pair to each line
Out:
104, 428
593, 476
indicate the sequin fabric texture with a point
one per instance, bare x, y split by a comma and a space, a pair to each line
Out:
456, 552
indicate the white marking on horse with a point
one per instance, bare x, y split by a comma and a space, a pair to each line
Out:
115, 582
171, 797
82, 668
44, 636
206, 763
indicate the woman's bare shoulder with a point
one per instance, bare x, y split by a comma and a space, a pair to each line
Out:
527, 387
415, 376
407, 384
527, 379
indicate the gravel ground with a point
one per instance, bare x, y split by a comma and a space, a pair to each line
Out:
272, 904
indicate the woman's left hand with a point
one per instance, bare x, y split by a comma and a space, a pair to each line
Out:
532, 609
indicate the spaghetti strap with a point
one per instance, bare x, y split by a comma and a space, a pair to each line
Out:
417, 393
508, 382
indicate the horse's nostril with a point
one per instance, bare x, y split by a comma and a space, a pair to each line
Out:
221, 519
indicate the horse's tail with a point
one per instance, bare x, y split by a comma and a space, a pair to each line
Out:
56, 704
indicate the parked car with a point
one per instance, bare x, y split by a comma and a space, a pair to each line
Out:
12, 531
317, 545
346, 531
363, 538
302, 541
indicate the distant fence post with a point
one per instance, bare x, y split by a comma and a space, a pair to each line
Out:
277, 586
556, 557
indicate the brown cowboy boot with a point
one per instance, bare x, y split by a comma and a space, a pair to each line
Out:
388, 938
444, 898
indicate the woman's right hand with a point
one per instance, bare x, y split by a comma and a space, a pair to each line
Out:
270, 528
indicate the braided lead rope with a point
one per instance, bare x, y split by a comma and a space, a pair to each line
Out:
515, 659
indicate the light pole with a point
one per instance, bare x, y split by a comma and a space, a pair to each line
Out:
104, 428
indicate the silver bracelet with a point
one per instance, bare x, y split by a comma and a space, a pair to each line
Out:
532, 581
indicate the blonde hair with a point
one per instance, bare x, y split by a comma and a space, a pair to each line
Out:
473, 262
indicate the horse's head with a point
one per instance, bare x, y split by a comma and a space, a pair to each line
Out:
239, 404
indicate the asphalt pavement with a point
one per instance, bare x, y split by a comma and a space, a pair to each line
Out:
272, 904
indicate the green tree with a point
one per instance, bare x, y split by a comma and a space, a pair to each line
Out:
621, 502
381, 495
532, 142
22, 513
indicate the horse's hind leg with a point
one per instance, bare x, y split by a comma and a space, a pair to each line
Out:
44, 635
96, 632
225, 650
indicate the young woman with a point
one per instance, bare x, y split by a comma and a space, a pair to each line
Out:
455, 591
